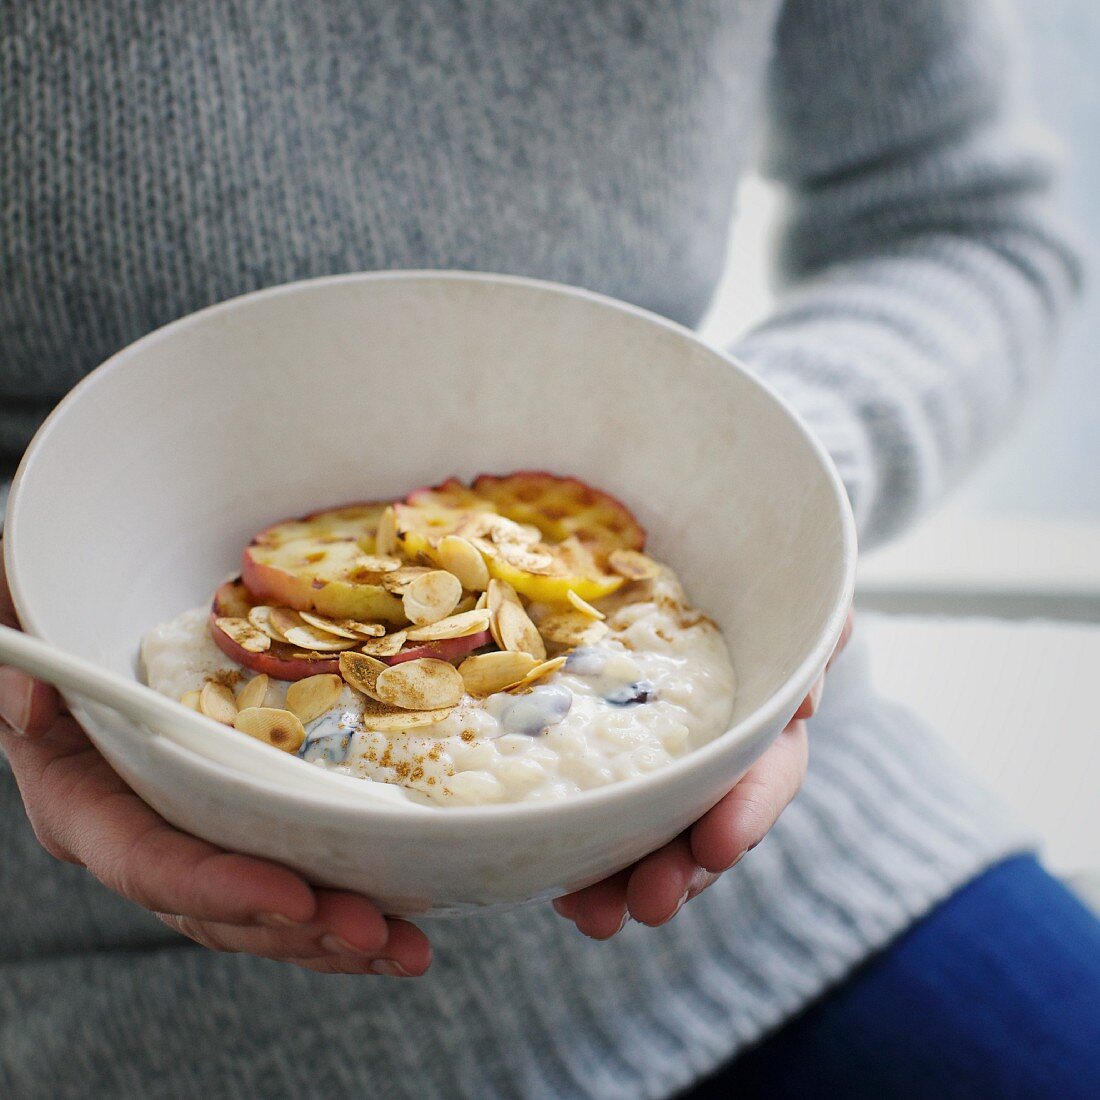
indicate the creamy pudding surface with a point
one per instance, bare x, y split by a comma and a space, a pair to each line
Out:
460, 651
659, 684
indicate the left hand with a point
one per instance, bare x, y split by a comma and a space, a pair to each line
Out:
655, 888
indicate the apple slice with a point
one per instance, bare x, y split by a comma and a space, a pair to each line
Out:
449, 494
357, 521
449, 649
323, 563
276, 662
563, 506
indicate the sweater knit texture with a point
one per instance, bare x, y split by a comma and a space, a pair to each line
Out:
159, 156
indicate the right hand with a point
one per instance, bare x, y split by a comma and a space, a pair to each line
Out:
82, 812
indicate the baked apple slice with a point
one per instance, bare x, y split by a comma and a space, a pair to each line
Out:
232, 601
350, 521
450, 649
563, 506
324, 563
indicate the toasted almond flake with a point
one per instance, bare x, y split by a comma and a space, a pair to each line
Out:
632, 564
216, 701
482, 601
422, 684
583, 606
361, 672
253, 693
454, 626
343, 628
190, 699
530, 558
467, 603
278, 728
539, 672
503, 530
385, 539
378, 563
313, 696
516, 630
571, 628
260, 618
431, 597
318, 641
487, 673
400, 579
460, 557
244, 634
387, 719
384, 647
499, 593
283, 619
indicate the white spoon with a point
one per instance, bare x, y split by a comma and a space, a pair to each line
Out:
164, 716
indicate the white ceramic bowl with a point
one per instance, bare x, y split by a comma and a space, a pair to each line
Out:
139, 491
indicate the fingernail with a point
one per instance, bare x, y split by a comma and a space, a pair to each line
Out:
681, 903
337, 945
277, 920
817, 691
15, 699
389, 968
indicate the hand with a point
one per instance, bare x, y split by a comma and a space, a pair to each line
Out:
83, 813
655, 888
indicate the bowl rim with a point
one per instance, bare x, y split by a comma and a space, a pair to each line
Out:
780, 705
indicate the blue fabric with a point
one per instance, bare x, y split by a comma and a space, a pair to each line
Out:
995, 994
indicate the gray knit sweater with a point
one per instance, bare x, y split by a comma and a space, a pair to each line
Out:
157, 156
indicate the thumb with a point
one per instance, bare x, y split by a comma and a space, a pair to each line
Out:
27, 706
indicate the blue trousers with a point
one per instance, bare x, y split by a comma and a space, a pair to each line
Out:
995, 994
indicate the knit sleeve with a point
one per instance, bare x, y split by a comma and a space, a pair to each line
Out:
923, 267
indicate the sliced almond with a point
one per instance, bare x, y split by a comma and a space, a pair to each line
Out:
454, 626
216, 701
244, 634
283, 619
531, 558
361, 672
385, 538
504, 530
633, 564
260, 618
378, 563
431, 597
482, 601
487, 673
572, 628
253, 693
510, 624
467, 603
318, 641
400, 579
460, 557
343, 628
499, 593
423, 684
384, 647
191, 699
313, 696
278, 728
387, 719
539, 672
583, 606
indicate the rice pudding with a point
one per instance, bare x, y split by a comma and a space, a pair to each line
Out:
504, 642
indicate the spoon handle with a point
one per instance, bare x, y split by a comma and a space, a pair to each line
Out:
45, 662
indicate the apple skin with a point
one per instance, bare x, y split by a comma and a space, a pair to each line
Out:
450, 649
233, 600
273, 661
